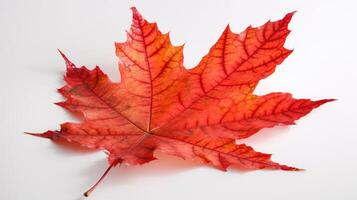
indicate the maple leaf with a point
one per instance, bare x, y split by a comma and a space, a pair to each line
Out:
198, 113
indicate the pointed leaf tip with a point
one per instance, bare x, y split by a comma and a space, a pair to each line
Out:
289, 16
293, 12
136, 13
47, 134
61, 104
288, 168
69, 64
228, 28
323, 101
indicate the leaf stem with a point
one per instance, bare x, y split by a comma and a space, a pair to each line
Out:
90, 190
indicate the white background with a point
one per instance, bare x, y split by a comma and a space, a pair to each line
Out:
323, 65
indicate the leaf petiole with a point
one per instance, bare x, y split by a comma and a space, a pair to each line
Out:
90, 190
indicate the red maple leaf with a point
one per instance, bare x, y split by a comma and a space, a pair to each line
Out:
191, 113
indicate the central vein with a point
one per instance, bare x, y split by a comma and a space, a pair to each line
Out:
150, 76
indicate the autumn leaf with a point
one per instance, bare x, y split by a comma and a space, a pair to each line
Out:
198, 113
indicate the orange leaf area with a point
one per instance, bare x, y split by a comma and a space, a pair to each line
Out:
198, 113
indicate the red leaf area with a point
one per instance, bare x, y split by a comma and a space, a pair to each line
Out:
198, 113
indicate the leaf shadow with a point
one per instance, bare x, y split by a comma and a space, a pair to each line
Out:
165, 165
